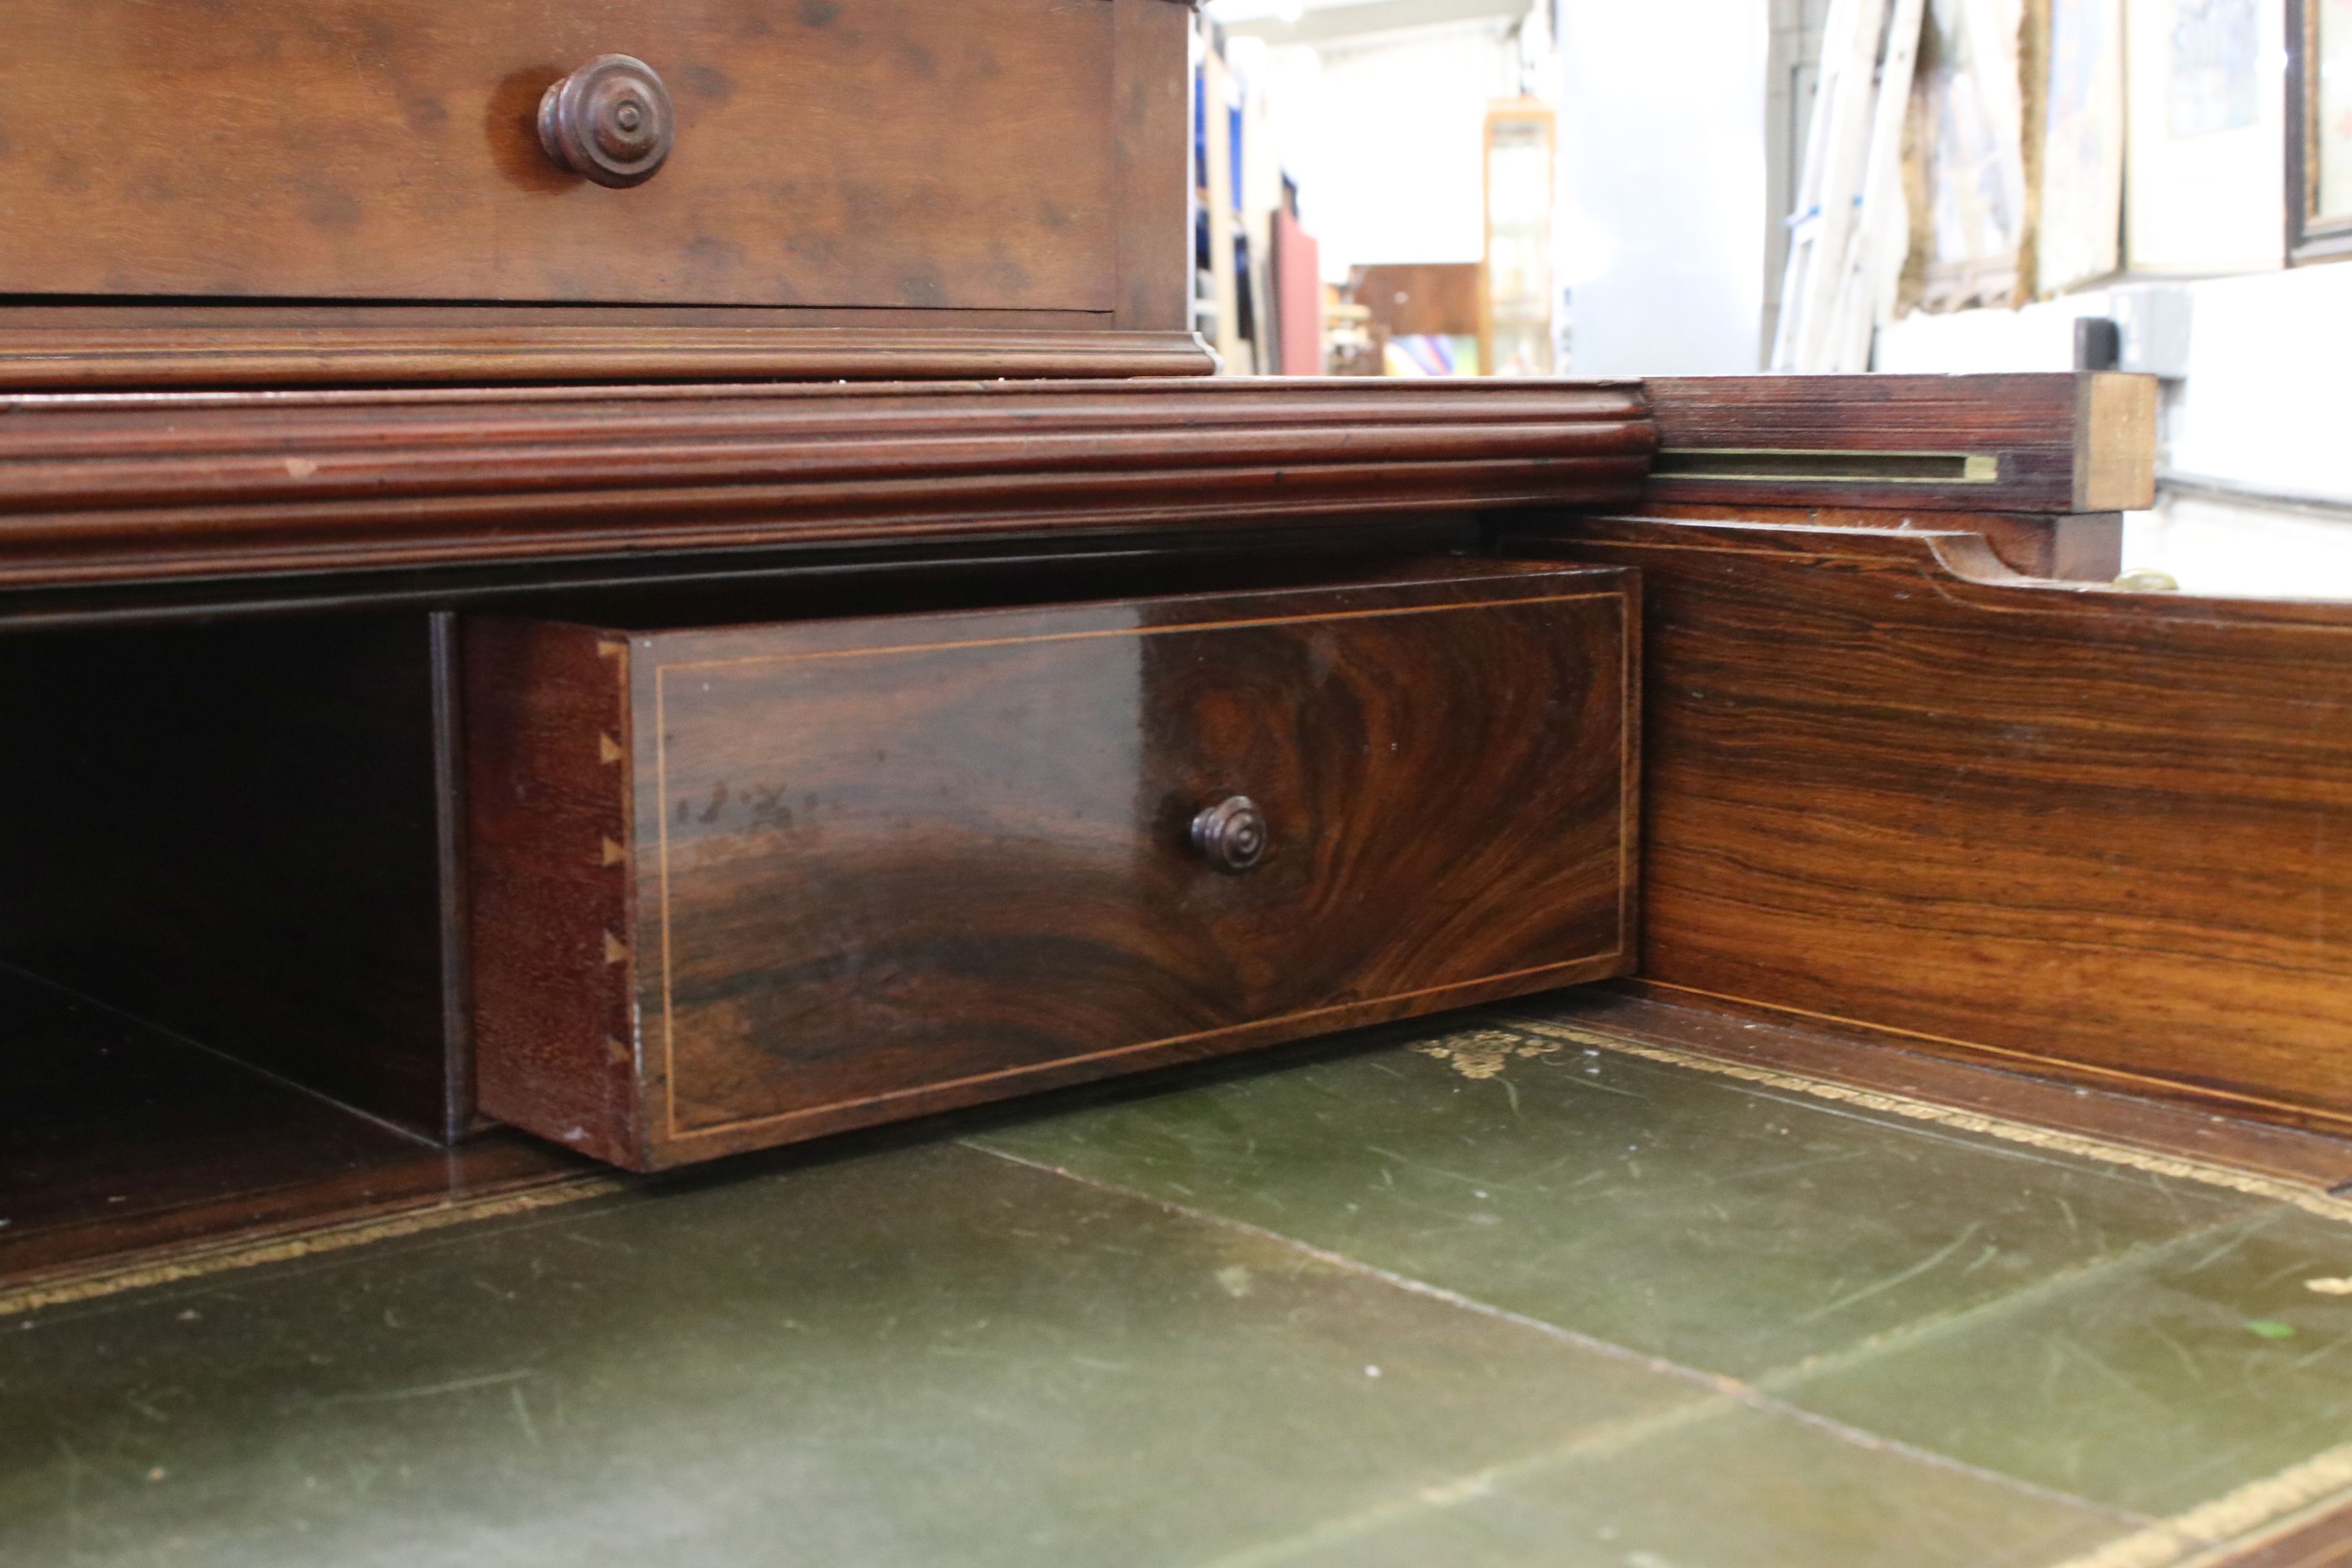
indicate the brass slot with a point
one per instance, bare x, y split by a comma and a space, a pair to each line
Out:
1834, 468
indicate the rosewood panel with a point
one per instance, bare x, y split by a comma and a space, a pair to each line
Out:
742, 886
2103, 833
126, 1142
2081, 443
549, 742
2073, 547
2320, 1537
930, 153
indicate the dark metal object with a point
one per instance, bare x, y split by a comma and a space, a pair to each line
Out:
609, 122
1231, 834
2098, 342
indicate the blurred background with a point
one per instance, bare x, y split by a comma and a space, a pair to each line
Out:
1681, 187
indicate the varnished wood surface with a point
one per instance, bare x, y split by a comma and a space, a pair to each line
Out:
1151, 119
232, 832
126, 487
125, 1143
1436, 297
2074, 547
142, 490
2049, 442
1159, 556
2094, 833
889, 152
74, 348
549, 743
871, 870
2321, 1538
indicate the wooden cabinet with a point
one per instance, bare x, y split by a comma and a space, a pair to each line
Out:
739, 886
368, 189
866, 152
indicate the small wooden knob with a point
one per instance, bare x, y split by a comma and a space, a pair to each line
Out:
609, 122
1231, 834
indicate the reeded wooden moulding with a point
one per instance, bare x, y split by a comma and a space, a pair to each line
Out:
126, 487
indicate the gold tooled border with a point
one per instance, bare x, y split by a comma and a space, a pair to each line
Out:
310, 1244
2205, 1536
2305, 1198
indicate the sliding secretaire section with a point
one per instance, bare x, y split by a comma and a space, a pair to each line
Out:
740, 886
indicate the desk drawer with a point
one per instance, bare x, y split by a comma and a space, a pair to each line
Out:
736, 886
895, 153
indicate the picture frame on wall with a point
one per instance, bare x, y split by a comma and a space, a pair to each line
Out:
2080, 238
1974, 147
2319, 115
2207, 123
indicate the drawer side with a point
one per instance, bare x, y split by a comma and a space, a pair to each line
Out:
548, 776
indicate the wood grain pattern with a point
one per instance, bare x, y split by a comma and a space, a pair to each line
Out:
1151, 106
2044, 443
887, 867
2073, 547
548, 737
935, 153
121, 488
127, 1144
2319, 1538
2097, 833
65, 348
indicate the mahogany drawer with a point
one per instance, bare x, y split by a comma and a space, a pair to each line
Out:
861, 153
736, 887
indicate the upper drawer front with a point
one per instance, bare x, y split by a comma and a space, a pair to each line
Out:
828, 153
880, 868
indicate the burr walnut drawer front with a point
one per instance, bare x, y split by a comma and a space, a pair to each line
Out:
893, 154
736, 886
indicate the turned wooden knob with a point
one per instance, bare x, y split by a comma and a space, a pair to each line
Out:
1231, 834
609, 122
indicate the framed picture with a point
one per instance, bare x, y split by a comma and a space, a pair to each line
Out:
2318, 129
1975, 152
2081, 231
2208, 123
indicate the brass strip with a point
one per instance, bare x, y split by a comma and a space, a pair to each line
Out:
1769, 464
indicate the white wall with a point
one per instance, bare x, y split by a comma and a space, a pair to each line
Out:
2257, 415
1387, 140
2267, 401
1662, 174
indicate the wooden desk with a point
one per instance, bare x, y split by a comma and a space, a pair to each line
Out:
282, 473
